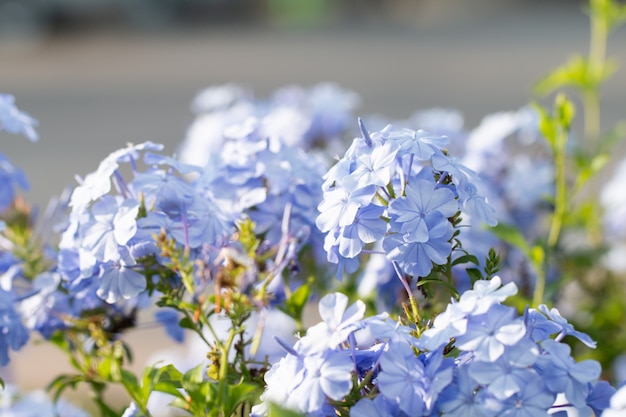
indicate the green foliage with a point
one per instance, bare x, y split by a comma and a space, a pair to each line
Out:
578, 73
296, 302
608, 13
274, 410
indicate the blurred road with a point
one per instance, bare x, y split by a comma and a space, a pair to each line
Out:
94, 91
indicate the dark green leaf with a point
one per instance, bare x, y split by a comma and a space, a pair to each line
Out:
129, 380
465, 259
294, 305
235, 395
512, 236
474, 274
62, 382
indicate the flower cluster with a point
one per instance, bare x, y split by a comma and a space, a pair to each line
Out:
293, 116
401, 187
504, 364
35, 403
13, 333
15, 121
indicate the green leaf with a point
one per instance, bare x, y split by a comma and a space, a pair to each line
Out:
577, 72
164, 379
610, 13
105, 410
465, 259
58, 339
168, 387
512, 236
426, 280
193, 376
274, 410
62, 382
294, 305
474, 274
1, 383
546, 125
186, 323
235, 395
586, 172
564, 111
201, 392
130, 382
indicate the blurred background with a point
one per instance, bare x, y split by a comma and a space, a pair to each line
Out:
100, 73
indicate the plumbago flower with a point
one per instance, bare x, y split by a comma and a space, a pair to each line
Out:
35, 403
401, 187
505, 149
293, 116
478, 358
15, 121
15, 225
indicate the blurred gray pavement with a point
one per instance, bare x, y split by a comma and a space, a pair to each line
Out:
92, 92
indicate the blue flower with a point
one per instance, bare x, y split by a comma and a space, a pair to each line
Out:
485, 294
170, 319
333, 256
531, 400
402, 379
565, 327
463, 398
453, 166
508, 374
112, 224
378, 407
600, 396
617, 404
563, 375
416, 258
476, 205
338, 322
409, 214
10, 176
15, 121
118, 279
13, 334
487, 334
373, 168
368, 227
417, 142
98, 183
340, 206
37, 403
327, 375
45, 309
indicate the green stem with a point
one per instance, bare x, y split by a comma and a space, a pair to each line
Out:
599, 33
560, 206
416, 314
540, 286
560, 198
591, 102
224, 366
